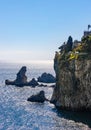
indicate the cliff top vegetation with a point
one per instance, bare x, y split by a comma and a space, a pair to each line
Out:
75, 50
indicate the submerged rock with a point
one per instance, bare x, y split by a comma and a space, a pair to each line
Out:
42, 85
40, 97
53, 86
46, 78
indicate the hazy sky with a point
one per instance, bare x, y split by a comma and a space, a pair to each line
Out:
34, 29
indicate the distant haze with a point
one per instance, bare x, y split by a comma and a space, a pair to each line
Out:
24, 57
48, 64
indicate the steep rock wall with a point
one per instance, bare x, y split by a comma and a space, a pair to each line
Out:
73, 84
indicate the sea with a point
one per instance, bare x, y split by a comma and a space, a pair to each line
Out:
16, 113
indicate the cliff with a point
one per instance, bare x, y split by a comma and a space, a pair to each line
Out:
73, 77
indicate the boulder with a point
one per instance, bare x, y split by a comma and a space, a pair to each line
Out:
42, 85
40, 97
46, 78
33, 83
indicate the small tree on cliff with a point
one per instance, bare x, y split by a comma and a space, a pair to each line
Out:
69, 44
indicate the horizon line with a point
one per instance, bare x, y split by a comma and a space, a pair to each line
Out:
28, 62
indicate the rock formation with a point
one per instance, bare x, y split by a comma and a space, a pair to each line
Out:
46, 78
40, 97
21, 79
73, 79
33, 83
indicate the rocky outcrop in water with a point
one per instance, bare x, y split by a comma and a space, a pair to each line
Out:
40, 97
21, 79
33, 83
73, 78
46, 78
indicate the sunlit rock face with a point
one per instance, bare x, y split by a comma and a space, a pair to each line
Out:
73, 84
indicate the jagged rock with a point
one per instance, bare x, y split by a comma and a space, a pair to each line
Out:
40, 97
21, 79
33, 83
46, 78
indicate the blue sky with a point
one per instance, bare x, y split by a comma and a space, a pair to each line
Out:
32, 30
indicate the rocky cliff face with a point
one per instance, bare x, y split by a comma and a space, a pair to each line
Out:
73, 83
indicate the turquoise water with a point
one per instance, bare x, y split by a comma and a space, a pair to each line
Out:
16, 113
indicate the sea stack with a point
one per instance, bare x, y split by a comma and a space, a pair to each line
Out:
21, 79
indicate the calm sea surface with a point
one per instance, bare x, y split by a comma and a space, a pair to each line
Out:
16, 113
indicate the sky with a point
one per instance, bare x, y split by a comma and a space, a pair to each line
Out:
32, 30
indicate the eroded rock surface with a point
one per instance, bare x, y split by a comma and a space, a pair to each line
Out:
73, 86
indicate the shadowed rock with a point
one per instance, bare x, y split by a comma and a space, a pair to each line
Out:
21, 79
46, 78
33, 83
40, 97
